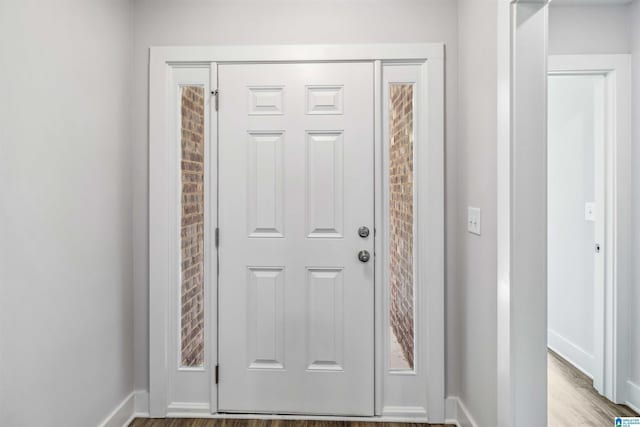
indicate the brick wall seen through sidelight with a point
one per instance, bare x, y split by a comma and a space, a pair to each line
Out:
401, 216
192, 226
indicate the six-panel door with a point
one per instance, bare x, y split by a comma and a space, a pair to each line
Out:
295, 185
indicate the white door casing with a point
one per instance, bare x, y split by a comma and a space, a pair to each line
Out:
296, 181
165, 397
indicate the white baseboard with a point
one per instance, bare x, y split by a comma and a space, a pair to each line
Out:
136, 405
142, 403
572, 353
458, 414
413, 414
390, 414
122, 415
188, 410
451, 411
409, 414
633, 396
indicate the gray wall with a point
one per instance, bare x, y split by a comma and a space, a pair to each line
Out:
197, 22
476, 256
589, 29
66, 347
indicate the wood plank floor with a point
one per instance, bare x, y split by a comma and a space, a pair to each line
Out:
201, 422
574, 402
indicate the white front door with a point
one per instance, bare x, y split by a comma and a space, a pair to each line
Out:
296, 183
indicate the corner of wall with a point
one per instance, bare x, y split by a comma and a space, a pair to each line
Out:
633, 396
122, 415
457, 413
142, 403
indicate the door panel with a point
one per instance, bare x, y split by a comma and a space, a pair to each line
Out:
325, 185
296, 183
265, 204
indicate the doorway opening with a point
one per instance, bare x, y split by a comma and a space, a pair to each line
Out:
522, 233
587, 170
575, 219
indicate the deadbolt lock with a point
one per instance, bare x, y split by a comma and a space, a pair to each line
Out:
363, 232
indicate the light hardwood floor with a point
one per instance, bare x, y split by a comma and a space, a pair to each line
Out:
574, 402
200, 422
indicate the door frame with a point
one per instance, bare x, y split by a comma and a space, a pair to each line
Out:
163, 209
611, 308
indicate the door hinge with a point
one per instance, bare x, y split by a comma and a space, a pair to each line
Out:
216, 95
217, 373
217, 238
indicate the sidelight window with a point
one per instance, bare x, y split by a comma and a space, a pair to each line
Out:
401, 226
192, 226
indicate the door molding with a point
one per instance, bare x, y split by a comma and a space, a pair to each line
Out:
163, 162
611, 310
521, 214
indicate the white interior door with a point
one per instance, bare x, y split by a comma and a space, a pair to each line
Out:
296, 183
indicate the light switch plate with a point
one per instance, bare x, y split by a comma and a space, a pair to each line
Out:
474, 219
590, 211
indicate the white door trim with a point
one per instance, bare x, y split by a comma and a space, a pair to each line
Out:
160, 56
162, 158
611, 309
164, 237
405, 391
521, 214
